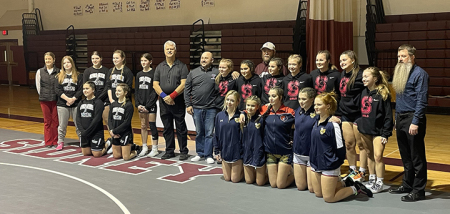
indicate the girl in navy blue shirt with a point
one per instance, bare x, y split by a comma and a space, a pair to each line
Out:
227, 138
305, 118
252, 139
375, 124
328, 153
278, 139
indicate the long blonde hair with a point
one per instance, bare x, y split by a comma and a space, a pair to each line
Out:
62, 73
352, 55
381, 83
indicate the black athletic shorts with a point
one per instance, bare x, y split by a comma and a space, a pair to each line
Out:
123, 140
96, 142
152, 110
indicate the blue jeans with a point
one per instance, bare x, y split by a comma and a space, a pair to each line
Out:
204, 126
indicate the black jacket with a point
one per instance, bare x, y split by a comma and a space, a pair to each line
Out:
376, 114
292, 86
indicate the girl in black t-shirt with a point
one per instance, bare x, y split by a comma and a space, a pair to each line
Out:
120, 115
89, 122
145, 101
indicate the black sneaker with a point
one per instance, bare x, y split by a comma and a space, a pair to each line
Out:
349, 182
183, 157
167, 156
362, 189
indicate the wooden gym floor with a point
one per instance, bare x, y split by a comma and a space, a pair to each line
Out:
20, 111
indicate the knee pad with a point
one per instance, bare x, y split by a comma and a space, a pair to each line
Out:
154, 130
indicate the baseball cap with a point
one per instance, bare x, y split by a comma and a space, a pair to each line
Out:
268, 45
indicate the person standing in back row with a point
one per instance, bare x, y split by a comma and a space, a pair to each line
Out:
45, 85
199, 96
410, 83
267, 53
169, 82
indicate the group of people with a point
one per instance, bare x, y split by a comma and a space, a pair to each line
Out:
266, 123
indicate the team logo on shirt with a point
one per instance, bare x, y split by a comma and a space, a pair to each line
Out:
283, 118
321, 83
246, 91
223, 88
343, 86
116, 111
366, 106
95, 77
257, 125
322, 130
312, 115
84, 108
144, 81
293, 87
69, 83
270, 83
116, 77
236, 120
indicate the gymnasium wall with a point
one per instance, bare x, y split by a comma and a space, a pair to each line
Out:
57, 14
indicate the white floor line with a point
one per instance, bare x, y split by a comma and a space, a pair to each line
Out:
121, 206
391, 153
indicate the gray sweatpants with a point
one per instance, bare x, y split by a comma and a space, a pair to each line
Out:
64, 113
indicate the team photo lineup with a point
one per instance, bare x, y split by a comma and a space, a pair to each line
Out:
269, 123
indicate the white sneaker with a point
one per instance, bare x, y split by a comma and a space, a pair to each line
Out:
378, 187
144, 151
196, 158
109, 151
153, 153
210, 160
371, 183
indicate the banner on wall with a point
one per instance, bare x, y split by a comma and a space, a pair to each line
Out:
117, 6
89, 9
208, 3
103, 7
77, 10
174, 4
145, 5
131, 6
160, 4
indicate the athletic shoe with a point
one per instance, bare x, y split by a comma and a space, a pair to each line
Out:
60, 146
362, 189
144, 151
371, 183
378, 187
183, 157
153, 153
167, 156
349, 182
351, 174
360, 176
209, 160
196, 158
